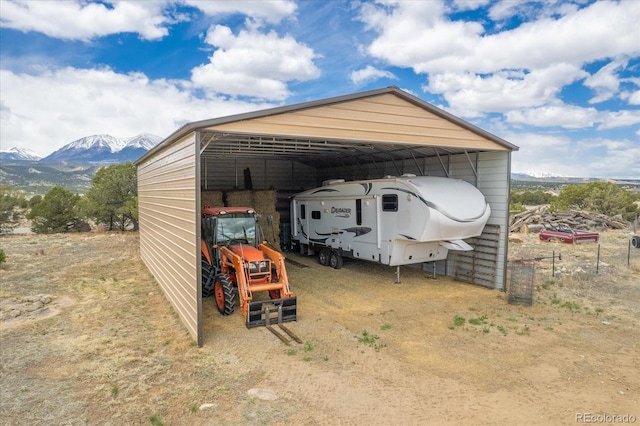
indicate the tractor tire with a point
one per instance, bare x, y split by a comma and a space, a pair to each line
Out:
635, 241
224, 294
335, 260
207, 289
323, 257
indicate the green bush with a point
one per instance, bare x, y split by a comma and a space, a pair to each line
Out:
12, 202
57, 212
532, 198
599, 197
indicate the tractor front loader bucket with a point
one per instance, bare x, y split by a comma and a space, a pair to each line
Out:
274, 312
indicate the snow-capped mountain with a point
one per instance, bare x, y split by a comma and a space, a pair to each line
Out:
104, 149
19, 154
143, 140
537, 175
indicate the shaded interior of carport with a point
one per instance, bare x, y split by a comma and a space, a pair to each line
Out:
360, 136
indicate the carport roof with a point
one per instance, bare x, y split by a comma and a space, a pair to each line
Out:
386, 124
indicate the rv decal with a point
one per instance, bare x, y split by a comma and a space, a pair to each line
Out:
367, 187
304, 234
319, 240
407, 237
324, 190
328, 233
341, 212
437, 208
358, 230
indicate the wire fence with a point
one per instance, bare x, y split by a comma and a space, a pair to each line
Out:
607, 269
589, 258
601, 258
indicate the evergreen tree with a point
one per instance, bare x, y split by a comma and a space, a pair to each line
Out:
57, 212
112, 199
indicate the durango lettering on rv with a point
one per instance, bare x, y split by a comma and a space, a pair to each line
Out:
340, 210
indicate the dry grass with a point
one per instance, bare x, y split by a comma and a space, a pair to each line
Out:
110, 350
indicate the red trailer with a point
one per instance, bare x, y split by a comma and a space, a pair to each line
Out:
568, 235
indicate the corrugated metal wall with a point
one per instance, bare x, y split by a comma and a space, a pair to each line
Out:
494, 180
225, 174
167, 195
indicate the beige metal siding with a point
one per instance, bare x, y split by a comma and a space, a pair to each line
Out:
167, 195
382, 118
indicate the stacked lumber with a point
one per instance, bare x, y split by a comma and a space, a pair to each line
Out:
535, 219
264, 203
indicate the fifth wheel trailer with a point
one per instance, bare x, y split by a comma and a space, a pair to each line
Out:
393, 221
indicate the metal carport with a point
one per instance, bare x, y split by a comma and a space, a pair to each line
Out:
358, 136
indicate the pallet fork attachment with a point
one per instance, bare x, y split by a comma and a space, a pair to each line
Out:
274, 312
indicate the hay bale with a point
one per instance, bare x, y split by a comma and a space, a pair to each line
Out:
264, 203
270, 228
240, 199
265, 200
211, 198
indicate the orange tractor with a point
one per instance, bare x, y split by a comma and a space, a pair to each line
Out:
237, 263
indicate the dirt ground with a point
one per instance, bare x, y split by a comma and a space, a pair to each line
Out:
87, 337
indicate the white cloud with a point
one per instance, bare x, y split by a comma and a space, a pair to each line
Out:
605, 82
79, 20
567, 116
470, 4
478, 72
271, 11
615, 119
594, 157
418, 35
254, 64
369, 73
632, 97
73, 103
471, 94
530, 10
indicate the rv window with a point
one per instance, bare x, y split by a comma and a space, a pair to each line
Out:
303, 211
390, 203
359, 211
315, 214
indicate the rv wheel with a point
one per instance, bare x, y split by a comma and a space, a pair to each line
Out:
335, 260
323, 257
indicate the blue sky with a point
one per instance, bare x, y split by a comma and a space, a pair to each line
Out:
559, 79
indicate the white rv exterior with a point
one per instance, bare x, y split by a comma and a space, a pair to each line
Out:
393, 221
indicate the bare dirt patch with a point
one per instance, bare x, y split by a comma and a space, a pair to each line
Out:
425, 351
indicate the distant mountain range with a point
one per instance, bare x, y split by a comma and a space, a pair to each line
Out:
90, 150
19, 154
74, 165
